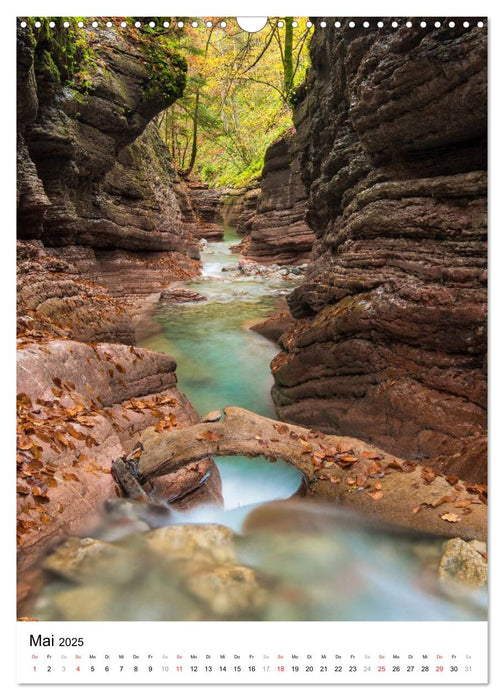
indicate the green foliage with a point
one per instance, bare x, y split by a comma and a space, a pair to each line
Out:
238, 97
66, 51
230, 93
167, 69
73, 54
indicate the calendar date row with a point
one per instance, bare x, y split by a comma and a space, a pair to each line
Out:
254, 669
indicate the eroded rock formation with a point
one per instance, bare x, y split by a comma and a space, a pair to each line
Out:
92, 170
339, 469
81, 405
206, 203
277, 231
390, 341
238, 207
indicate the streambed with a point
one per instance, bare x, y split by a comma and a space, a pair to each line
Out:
220, 362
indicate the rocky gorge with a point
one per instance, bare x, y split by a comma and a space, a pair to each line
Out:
369, 219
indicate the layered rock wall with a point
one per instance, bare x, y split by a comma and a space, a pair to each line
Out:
85, 161
277, 231
238, 207
206, 203
93, 171
390, 342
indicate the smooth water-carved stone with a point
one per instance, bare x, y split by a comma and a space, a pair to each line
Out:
462, 562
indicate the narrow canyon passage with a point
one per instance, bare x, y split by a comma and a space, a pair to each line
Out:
221, 362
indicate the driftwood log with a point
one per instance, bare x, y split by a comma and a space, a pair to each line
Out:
339, 469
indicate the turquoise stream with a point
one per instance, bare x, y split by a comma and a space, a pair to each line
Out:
220, 362
352, 569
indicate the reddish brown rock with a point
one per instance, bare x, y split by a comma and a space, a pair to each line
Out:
390, 344
53, 300
177, 295
274, 327
80, 406
206, 203
277, 232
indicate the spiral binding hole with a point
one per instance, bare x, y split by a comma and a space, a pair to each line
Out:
394, 24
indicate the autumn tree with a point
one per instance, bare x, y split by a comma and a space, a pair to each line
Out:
238, 97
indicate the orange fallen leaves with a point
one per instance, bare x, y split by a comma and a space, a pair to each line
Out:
428, 475
463, 503
24, 443
370, 455
450, 517
347, 459
209, 435
395, 465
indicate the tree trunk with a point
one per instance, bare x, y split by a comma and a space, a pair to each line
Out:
288, 59
194, 148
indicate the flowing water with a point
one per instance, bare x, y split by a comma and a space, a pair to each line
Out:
220, 362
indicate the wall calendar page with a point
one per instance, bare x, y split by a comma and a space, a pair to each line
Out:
251, 350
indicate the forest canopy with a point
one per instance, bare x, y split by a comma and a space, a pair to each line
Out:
238, 97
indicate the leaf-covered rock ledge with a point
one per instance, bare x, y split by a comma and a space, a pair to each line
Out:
340, 469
